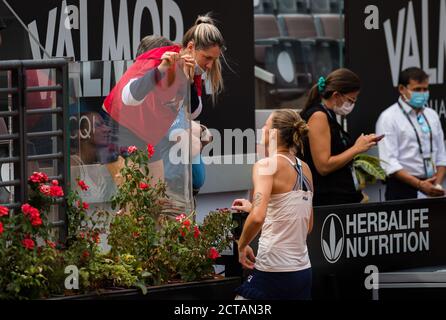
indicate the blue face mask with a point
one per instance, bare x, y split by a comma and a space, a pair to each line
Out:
419, 99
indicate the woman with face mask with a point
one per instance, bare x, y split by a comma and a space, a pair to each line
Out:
329, 149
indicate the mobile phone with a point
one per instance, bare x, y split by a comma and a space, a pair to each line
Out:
379, 138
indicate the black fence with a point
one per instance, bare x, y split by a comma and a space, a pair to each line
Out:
16, 114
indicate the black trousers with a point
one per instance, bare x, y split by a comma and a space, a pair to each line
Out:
398, 190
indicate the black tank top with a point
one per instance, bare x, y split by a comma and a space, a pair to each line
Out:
337, 187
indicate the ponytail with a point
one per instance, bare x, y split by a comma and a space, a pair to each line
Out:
313, 98
204, 34
291, 128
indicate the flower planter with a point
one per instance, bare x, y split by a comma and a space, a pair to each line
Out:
214, 289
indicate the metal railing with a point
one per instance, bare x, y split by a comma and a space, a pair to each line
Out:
19, 109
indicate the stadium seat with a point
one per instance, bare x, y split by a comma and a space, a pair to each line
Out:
265, 6
329, 25
321, 54
320, 6
287, 6
297, 26
281, 56
265, 30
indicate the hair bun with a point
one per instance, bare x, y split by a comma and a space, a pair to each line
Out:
204, 19
301, 127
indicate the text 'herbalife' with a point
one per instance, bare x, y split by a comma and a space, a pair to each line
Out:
375, 233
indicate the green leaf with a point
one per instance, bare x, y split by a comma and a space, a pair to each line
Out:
370, 168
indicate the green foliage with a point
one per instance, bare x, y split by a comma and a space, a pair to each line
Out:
185, 250
103, 272
26, 275
368, 169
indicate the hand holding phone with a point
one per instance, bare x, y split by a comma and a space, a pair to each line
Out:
379, 138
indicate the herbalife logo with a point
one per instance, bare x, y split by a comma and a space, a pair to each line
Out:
332, 238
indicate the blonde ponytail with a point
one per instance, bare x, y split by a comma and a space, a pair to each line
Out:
204, 34
291, 128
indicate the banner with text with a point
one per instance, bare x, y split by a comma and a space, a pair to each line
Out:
386, 37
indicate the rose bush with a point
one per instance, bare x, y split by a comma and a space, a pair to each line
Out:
28, 254
146, 247
164, 249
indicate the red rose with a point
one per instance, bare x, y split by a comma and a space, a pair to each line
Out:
56, 191
26, 208
150, 150
181, 217
186, 223
29, 210
82, 235
83, 185
85, 254
36, 221
55, 183
38, 177
28, 243
131, 149
3, 211
213, 253
196, 232
1, 228
45, 190
143, 186
183, 234
34, 217
34, 178
83, 205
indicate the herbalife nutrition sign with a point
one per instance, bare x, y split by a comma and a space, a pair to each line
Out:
375, 233
389, 235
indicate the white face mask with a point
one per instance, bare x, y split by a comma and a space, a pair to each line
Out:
345, 109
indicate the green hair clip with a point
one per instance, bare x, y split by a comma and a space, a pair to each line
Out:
321, 84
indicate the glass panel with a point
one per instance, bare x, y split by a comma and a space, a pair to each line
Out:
102, 129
